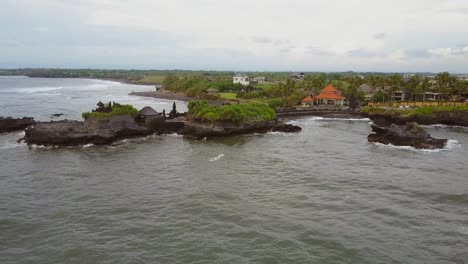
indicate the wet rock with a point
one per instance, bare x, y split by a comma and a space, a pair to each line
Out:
8, 124
96, 131
404, 135
451, 118
57, 115
200, 130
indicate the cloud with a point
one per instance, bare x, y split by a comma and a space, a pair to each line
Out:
216, 34
417, 53
319, 52
462, 11
364, 53
262, 40
446, 52
379, 36
287, 49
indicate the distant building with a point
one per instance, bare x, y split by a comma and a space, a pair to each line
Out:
368, 91
408, 76
259, 79
308, 101
430, 96
329, 96
241, 79
463, 77
148, 116
398, 95
297, 76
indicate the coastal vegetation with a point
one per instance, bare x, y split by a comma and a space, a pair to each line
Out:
115, 110
236, 113
425, 110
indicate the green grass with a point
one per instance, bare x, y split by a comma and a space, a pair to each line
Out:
117, 109
152, 79
426, 110
249, 112
228, 96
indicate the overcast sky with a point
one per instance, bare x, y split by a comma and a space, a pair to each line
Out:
241, 35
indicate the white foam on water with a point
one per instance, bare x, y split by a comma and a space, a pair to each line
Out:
217, 157
31, 90
284, 134
464, 230
174, 135
93, 87
451, 144
344, 119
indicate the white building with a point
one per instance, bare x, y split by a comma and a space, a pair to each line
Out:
462, 77
242, 79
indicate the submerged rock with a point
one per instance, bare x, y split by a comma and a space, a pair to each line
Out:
8, 124
96, 131
404, 135
200, 130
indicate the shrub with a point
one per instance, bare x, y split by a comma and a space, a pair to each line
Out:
117, 109
237, 113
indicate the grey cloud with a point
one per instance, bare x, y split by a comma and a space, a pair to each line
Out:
381, 35
363, 53
318, 51
287, 49
463, 11
262, 40
420, 54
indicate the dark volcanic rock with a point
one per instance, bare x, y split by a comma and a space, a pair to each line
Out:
96, 131
405, 135
199, 130
286, 128
9, 124
451, 118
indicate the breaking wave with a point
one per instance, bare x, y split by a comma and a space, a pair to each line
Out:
451, 145
217, 157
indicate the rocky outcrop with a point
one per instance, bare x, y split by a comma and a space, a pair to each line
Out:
200, 130
96, 131
9, 124
451, 118
404, 135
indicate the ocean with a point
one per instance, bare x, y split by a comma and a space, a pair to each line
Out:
324, 195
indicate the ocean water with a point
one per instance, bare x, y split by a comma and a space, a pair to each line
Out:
324, 195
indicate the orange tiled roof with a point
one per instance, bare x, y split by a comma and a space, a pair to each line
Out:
329, 93
329, 89
329, 96
308, 99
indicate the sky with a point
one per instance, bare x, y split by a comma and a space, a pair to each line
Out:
241, 35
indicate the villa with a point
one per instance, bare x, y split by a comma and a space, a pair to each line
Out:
398, 95
329, 96
241, 79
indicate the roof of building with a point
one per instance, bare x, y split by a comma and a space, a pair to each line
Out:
148, 111
329, 93
308, 99
366, 88
329, 89
329, 96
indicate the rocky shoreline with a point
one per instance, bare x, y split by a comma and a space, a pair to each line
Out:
452, 118
9, 124
410, 134
101, 131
